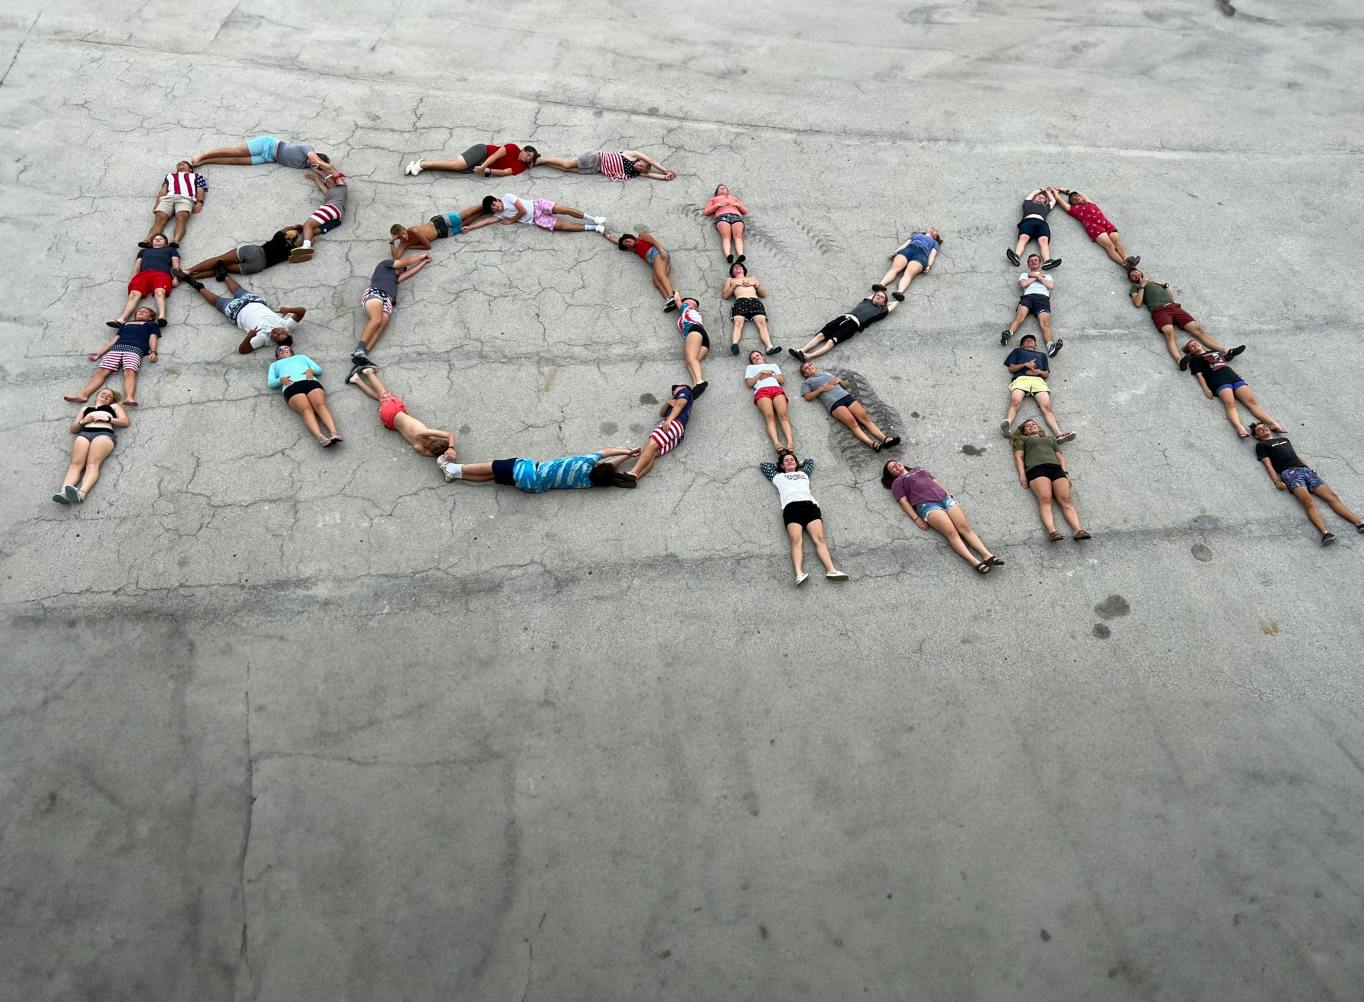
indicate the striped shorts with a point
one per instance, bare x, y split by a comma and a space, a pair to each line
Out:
666, 436
327, 216
121, 358
372, 293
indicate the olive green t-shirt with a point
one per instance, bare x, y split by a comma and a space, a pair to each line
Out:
1155, 296
1038, 450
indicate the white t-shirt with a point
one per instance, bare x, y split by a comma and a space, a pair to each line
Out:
793, 487
753, 370
259, 317
509, 208
1034, 288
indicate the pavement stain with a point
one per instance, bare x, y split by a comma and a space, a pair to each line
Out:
1112, 607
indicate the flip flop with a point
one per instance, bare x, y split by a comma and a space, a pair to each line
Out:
890, 441
1055, 537
1081, 536
625, 480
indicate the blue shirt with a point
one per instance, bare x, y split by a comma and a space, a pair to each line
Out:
683, 393
292, 367
1020, 355
564, 473
136, 335
924, 241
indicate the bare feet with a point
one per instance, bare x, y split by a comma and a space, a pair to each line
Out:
75, 398
130, 402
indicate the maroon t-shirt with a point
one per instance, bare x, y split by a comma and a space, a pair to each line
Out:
916, 487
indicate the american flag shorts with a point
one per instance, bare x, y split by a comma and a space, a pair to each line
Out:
666, 436
121, 358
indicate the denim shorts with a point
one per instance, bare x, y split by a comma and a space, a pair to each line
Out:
262, 149
653, 253
914, 253
923, 508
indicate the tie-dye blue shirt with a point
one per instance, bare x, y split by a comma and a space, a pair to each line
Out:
563, 473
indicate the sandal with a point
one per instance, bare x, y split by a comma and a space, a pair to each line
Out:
899, 297
624, 480
982, 568
994, 561
1055, 536
890, 441
1081, 536
115, 324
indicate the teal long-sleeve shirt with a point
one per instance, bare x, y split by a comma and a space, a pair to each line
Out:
292, 368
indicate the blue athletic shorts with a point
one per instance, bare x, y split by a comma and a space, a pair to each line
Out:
1232, 386
262, 149
1301, 476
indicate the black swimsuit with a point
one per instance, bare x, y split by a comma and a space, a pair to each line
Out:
90, 434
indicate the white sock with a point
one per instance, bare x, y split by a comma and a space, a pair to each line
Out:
453, 471
307, 243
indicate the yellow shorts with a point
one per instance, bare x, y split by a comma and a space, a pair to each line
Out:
1030, 385
172, 204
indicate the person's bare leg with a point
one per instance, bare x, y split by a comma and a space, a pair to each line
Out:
770, 420
1049, 416
726, 237
1338, 506
1228, 399
1015, 398
476, 473
1041, 489
896, 266
569, 165
317, 399
1119, 247
822, 349
844, 417
1044, 245
816, 531
692, 352
911, 272
1060, 490
1020, 314
863, 418
968, 532
299, 403
369, 383
1021, 243
96, 381
1168, 332
779, 403
99, 452
1105, 241
796, 535
1304, 497
739, 239
130, 387
1194, 328
662, 278
458, 164
159, 221
235, 155
375, 322
1252, 403
763, 336
562, 227
210, 297
1044, 321
160, 297
646, 460
181, 221
738, 330
80, 449
567, 210
130, 307
942, 523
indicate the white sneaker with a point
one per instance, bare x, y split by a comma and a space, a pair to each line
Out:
600, 221
597, 227
801, 579
444, 468
414, 167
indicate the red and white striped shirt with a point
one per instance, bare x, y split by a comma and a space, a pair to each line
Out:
185, 183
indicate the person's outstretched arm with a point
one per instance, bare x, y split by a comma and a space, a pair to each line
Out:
609, 236
1061, 199
613, 452
409, 266
94, 355
1274, 475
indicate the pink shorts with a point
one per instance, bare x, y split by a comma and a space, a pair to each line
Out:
666, 438
389, 409
543, 213
117, 359
767, 392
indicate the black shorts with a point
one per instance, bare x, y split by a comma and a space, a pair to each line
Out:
502, 472
302, 386
1034, 228
90, 434
840, 329
697, 329
1036, 303
747, 307
801, 513
442, 225
1051, 471
847, 400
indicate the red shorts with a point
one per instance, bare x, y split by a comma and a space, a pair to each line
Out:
767, 392
1165, 316
665, 439
389, 408
1099, 228
146, 282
